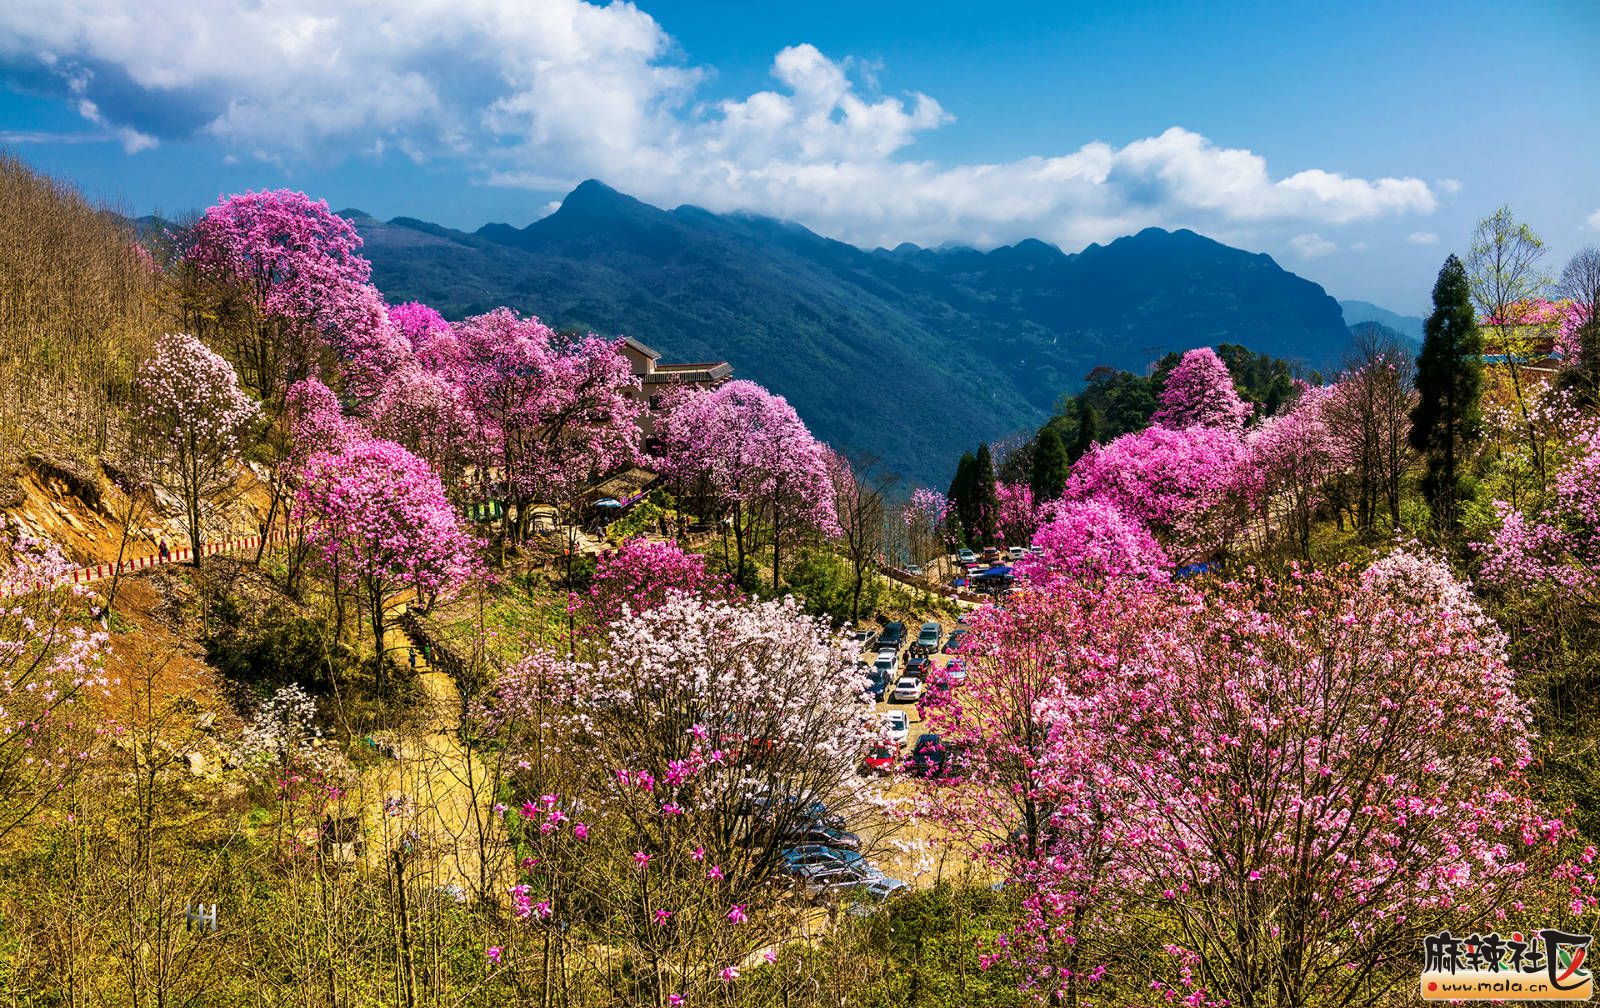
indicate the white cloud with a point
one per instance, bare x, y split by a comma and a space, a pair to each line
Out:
1422, 238
1312, 246
1594, 221
543, 95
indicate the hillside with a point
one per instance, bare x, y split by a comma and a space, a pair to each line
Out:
908, 353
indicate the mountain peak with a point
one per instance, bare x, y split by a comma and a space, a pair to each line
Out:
593, 197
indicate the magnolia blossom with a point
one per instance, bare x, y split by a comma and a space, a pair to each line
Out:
642, 573
300, 270
1199, 392
1184, 484
189, 419
550, 413
1347, 741
759, 460
1092, 539
377, 515
1017, 516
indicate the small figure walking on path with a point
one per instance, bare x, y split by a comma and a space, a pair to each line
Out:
162, 550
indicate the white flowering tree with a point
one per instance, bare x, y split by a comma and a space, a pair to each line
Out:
50, 656
665, 773
188, 419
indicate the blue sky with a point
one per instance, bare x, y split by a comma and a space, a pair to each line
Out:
1357, 143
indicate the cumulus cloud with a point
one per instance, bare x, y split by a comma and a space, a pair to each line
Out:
1594, 221
1422, 238
1312, 246
543, 95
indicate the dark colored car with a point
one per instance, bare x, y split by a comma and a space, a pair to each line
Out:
919, 666
825, 836
956, 636
930, 757
878, 684
893, 636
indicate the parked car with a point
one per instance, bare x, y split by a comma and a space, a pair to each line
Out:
876, 886
826, 836
919, 666
1016, 552
915, 570
881, 758
908, 690
928, 757
866, 640
954, 642
887, 664
955, 671
966, 557
896, 727
991, 554
804, 855
893, 637
765, 805
878, 683
928, 638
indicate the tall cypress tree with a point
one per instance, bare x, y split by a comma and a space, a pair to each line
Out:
1050, 466
961, 497
1088, 430
1449, 375
986, 505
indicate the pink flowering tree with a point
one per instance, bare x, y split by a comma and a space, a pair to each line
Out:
1199, 392
1092, 540
1552, 548
424, 410
693, 738
431, 340
378, 519
1289, 784
289, 273
189, 420
1188, 486
1291, 457
550, 413
642, 574
763, 468
1017, 517
999, 805
926, 517
317, 422
369, 346
51, 668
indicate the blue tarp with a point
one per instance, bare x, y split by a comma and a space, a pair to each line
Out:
994, 572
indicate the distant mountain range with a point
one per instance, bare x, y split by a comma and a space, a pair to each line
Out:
1357, 312
910, 354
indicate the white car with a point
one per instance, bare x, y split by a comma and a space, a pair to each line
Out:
1017, 552
907, 690
967, 557
887, 662
896, 726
